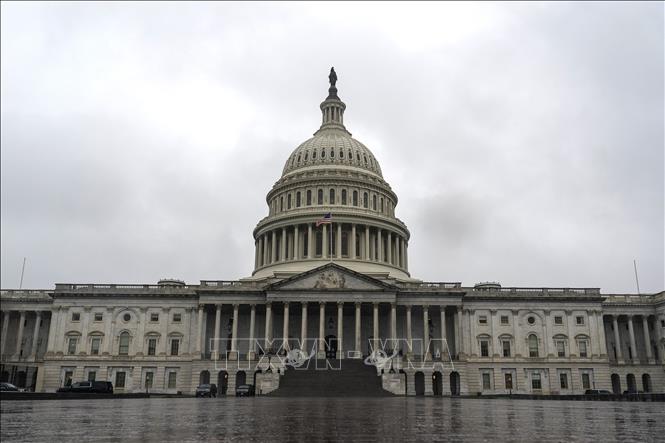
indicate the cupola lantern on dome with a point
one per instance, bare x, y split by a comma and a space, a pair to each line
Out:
332, 107
331, 173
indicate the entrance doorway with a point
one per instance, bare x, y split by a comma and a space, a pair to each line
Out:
632, 386
437, 383
204, 378
331, 346
241, 377
646, 382
420, 383
616, 384
222, 382
454, 383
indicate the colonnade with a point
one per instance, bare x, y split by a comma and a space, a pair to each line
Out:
349, 240
269, 344
20, 333
633, 356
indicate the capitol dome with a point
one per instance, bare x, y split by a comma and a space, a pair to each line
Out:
331, 173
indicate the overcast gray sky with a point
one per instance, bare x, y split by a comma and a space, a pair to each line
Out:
525, 141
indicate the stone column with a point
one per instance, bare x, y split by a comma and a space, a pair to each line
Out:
444, 338
647, 339
322, 330
234, 333
393, 326
268, 341
108, 329
5, 328
389, 250
215, 338
406, 255
282, 246
251, 347
303, 328
310, 241
631, 333
617, 338
379, 246
548, 340
296, 244
516, 336
340, 329
85, 318
164, 330
352, 247
285, 330
273, 247
571, 335
199, 332
324, 241
409, 335
338, 241
256, 253
659, 336
260, 258
426, 352
601, 334
35, 335
366, 252
266, 250
493, 336
398, 257
375, 345
358, 348
19, 335
459, 339
140, 334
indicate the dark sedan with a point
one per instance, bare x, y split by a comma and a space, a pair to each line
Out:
245, 391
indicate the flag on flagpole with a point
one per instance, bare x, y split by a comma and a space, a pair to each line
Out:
326, 220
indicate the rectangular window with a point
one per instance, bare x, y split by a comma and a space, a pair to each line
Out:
560, 348
563, 381
71, 348
92, 376
535, 381
504, 319
508, 380
486, 382
76, 316
582, 346
119, 379
152, 346
154, 316
506, 348
67, 381
482, 319
484, 348
177, 318
558, 320
175, 344
99, 316
586, 381
579, 319
94, 346
149, 376
172, 379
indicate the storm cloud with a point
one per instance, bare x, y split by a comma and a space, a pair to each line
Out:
525, 141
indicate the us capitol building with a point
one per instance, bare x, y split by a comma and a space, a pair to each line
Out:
337, 290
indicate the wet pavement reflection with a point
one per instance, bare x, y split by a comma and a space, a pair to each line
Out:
315, 419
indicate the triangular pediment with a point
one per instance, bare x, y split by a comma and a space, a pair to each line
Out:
331, 277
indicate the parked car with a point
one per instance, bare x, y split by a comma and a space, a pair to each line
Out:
206, 390
8, 387
245, 391
92, 387
597, 392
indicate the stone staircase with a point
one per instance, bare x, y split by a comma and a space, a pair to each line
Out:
354, 379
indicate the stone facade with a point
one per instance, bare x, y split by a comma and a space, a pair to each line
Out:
339, 289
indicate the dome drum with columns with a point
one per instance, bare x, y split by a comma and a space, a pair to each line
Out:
331, 173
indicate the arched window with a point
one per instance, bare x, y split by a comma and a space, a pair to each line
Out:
319, 244
299, 157
281, 204
298, 199
309, 197
319, 197
358, 157
343, 196
306, 155
313, 155
323, 153
332, 153
341, 153
355, 198
533, 345
123, 343
288, 201
374, 202
365, 200
365, 157
381, 204
331, 199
